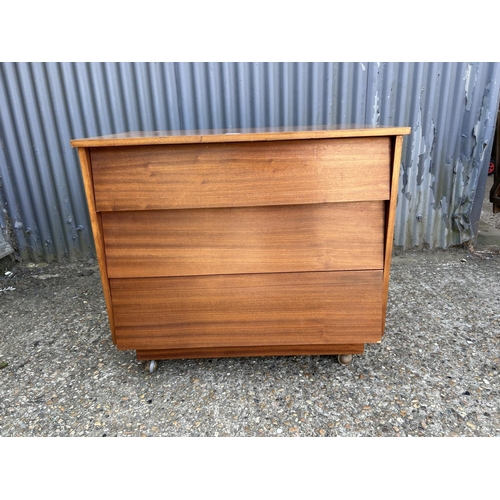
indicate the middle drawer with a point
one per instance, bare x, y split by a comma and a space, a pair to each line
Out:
292, 238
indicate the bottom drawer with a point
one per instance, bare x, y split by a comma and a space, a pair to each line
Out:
248, 310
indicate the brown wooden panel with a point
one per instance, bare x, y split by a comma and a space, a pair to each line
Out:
241, 174
238, 135
95, 220
248, 310
391, 221
269, 350
334, 236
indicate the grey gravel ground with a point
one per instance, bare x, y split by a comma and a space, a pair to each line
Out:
436, 372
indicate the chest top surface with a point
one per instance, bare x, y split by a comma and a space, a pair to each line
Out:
238, 135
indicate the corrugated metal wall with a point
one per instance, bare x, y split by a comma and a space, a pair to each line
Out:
451, 108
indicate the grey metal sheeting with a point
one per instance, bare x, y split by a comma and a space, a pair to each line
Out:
451, 108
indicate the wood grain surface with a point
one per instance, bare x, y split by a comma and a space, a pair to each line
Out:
97, 231
241, 174
244, 242
238, 135
248, 310
391, 221
326, 237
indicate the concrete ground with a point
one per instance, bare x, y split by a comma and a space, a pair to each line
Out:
436, 372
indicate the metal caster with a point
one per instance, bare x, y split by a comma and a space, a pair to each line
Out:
153, 366
345, 359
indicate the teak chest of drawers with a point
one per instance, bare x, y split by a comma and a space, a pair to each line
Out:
246, 243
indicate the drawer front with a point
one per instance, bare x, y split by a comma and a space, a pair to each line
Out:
248, 310
241, 174
334, 236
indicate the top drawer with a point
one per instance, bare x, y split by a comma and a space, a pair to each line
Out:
241, 174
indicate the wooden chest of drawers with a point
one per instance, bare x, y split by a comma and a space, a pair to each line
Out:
246, 243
